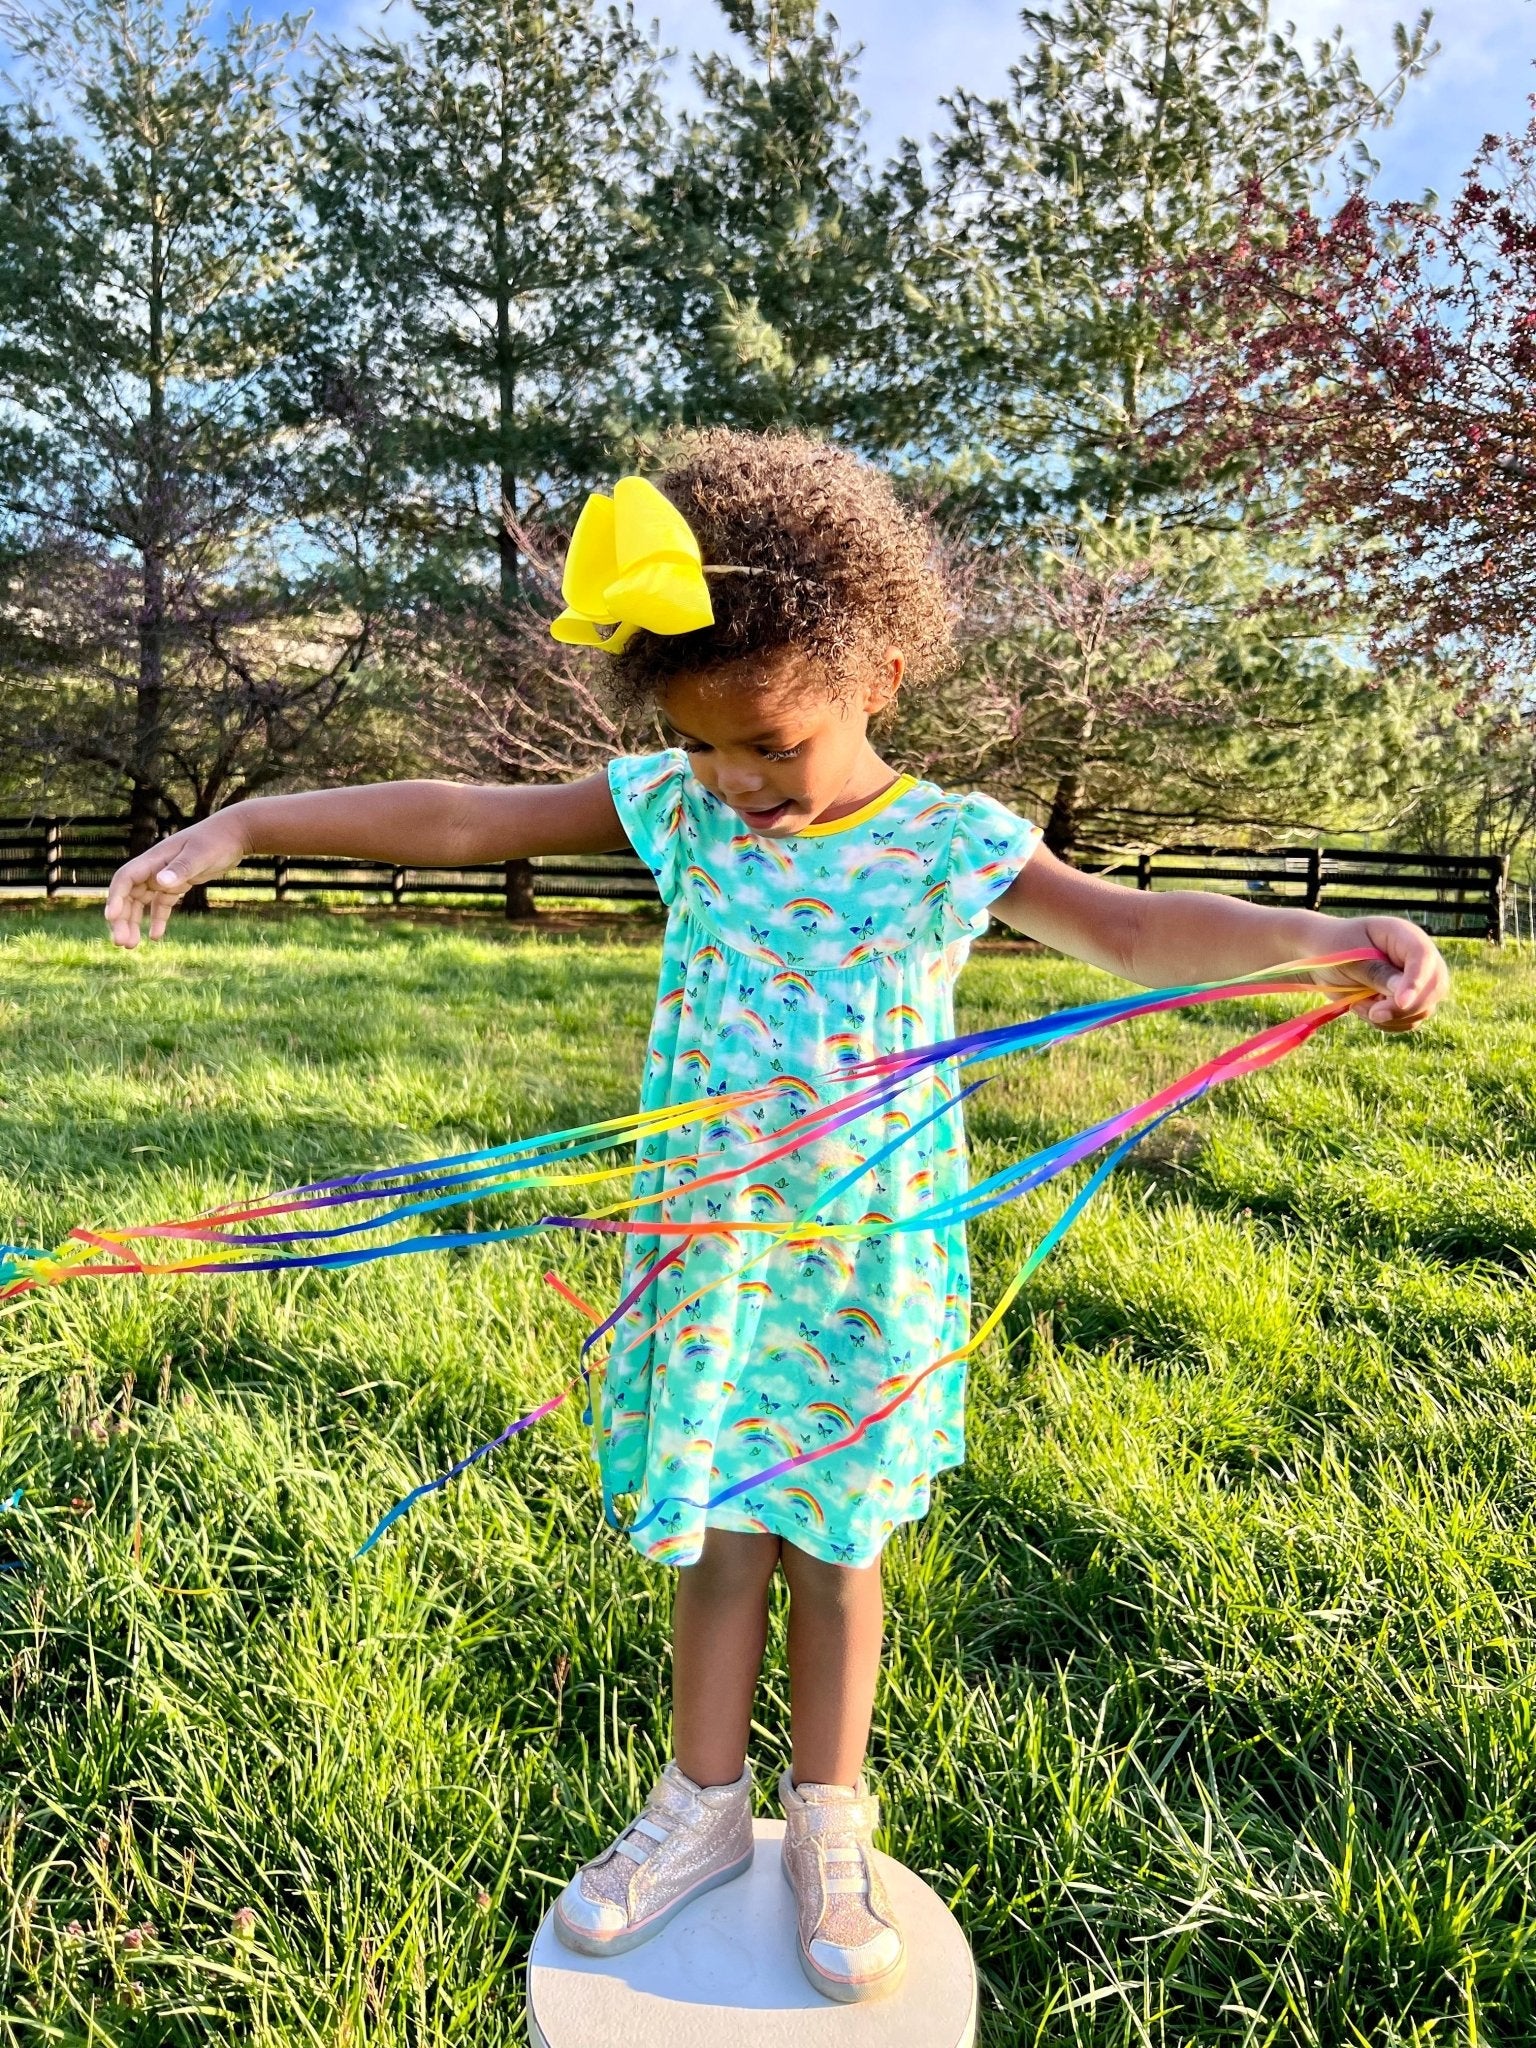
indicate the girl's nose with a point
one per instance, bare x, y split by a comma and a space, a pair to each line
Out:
736, 782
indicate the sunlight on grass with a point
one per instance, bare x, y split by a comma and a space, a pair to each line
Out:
1210, 1691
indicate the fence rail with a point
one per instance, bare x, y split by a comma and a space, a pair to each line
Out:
77, 856
1452, 895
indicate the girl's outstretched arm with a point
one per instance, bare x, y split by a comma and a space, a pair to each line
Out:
1185, 935
407, 824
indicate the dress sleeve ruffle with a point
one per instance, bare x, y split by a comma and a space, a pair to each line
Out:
989, 847
648, 796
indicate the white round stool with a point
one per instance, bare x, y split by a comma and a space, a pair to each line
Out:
725, 1974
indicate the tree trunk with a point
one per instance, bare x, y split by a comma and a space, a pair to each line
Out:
520, 899
149, 701
143, 813
506, 546
1061, 827
506, 362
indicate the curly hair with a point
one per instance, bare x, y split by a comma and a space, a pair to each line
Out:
850, 570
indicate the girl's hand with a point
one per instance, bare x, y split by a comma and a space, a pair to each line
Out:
156, 881
1415, 981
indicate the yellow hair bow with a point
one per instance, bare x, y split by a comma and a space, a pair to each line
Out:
632, 562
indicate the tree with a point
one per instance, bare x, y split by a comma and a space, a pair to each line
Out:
768, 252
1379, 367
472, 192
1121, 680
513, 702
1040, 358
1129, 134
147, 226
1473, 778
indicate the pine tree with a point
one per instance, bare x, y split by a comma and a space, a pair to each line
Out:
1130, 682
472, 196
148, 225
1039, 362
1129, 135
768, 239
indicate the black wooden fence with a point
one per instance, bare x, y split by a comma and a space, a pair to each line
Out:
1452, 895
70, 856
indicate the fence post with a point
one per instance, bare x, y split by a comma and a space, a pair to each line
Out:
1314, 877
1144, 871
1496, 907
280, 879
518, 882
397, 887
53, 856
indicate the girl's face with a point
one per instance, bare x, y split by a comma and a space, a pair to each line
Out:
778, 747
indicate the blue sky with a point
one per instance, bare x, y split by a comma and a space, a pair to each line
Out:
915, 50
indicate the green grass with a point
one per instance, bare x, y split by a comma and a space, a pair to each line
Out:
1210, 1692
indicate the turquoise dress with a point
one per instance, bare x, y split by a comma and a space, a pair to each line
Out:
793, 956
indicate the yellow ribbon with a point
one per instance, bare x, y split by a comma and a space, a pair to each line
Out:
632, 562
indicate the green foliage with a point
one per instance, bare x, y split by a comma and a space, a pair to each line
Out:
768, 251
148, 228
303, 383
1127, 138
1131, 698
1128, 681
1472, 784
471, 191
1209, 1697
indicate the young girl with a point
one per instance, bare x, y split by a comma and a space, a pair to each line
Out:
820, 906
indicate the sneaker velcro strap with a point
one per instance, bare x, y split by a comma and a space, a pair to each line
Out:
855, 1817
634, 1850
849, 1863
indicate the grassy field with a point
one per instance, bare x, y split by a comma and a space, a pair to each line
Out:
1210, 1694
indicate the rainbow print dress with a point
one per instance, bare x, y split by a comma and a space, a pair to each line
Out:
792, 956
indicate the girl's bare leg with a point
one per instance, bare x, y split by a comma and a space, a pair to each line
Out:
836, 1624
719, 1633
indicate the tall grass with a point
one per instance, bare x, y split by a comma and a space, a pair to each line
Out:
1210, 1693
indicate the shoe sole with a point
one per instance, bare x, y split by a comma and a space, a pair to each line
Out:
846, 1990
631, 1937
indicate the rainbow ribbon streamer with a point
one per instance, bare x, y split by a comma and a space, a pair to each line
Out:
220, 1241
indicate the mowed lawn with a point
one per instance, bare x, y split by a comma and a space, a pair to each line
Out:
1210, 1693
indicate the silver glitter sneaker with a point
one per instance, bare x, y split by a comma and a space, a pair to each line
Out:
850, 1946
688, 1839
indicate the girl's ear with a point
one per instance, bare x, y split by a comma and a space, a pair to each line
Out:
884, 682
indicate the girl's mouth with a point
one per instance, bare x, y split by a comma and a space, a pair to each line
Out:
761, 820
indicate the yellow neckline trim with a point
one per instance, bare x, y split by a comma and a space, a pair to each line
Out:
871, 810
